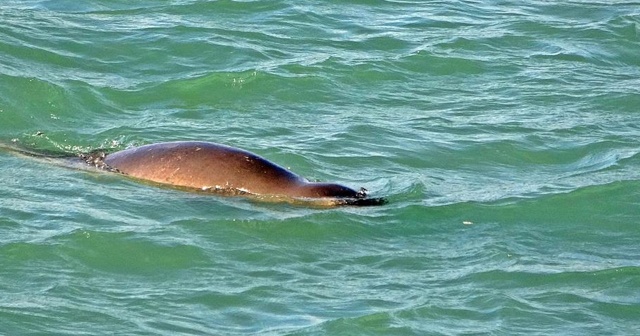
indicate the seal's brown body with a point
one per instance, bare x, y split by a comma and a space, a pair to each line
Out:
209, 166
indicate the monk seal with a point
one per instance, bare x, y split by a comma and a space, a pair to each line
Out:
222, 169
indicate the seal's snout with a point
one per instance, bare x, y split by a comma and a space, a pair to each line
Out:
364, 201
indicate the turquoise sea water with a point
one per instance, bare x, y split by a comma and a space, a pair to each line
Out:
505, 134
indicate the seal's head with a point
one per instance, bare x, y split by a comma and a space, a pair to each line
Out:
342, 195
333, 190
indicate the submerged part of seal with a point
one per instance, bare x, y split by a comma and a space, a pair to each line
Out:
218, 168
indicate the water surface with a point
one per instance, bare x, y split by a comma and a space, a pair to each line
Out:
505, 135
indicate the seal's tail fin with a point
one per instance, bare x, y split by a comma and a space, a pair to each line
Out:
16, 149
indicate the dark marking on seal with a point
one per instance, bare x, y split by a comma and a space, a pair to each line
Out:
96, 159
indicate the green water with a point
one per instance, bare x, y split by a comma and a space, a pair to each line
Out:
505, 134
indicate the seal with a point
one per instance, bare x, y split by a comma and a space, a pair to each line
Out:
212, 167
